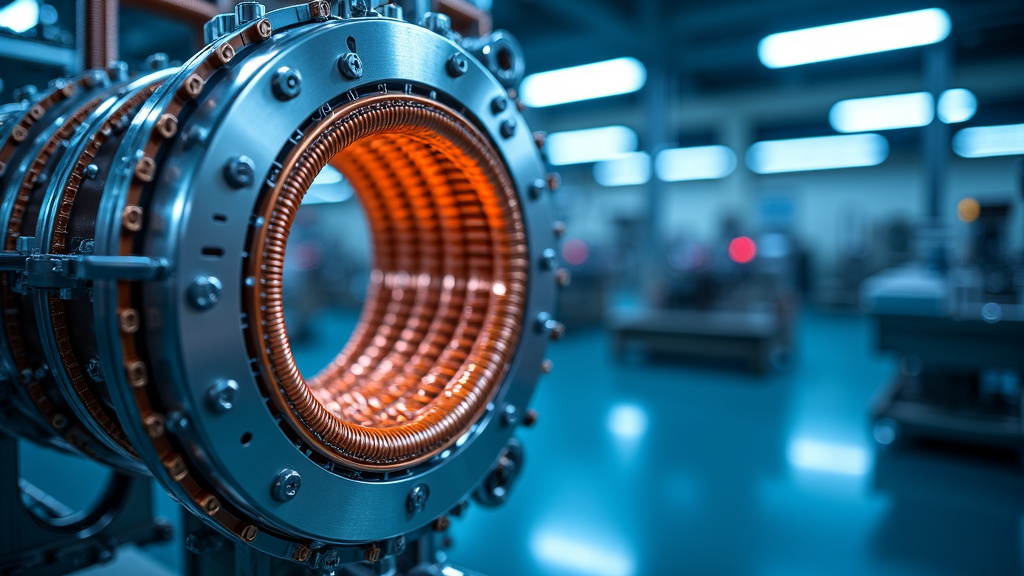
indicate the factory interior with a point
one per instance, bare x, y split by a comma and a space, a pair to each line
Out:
790, 274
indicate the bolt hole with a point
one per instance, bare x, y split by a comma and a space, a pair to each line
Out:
220, 218
351, 44
246, 438
506, 60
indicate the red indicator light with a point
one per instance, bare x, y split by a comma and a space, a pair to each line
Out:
575, 252
742, 249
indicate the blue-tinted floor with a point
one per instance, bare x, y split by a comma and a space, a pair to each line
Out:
650, 469
638, 469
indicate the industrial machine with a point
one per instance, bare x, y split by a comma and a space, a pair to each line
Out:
145, 223
958, 335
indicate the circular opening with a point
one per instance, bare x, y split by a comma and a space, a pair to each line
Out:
59, 499
246, 438
444, 304
506, 60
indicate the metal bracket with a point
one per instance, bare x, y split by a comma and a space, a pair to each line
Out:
57, 271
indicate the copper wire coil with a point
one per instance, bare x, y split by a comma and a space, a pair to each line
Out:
445, 303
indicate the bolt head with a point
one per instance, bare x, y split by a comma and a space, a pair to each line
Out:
90, 172
221, 396
286, 485
499, 104
240, 172
204, 292
549, 258
511, 416
537, 188
508, 128
457, 65
286, 83
417, 499
351, 66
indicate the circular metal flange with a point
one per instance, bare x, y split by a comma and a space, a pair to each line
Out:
178, 351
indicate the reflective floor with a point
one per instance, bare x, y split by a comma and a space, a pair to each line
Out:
640, 469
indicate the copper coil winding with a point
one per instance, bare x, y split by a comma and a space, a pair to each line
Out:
445, 304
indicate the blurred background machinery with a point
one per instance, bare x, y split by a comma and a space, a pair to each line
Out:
791, 237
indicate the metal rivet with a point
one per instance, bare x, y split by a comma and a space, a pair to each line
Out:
240, 172
90, 172
559, 229
302, 553
508, 128
546, 323
554, 181
563, 277
167, 126
204, 292
221, 395
441, 524
286, 83
547, 366
457, 65
136, 372
530, 418
499, 104
129, 320
417, 499
286, 485
350, 66
372, 554
549, 258
539, 138
145, 169
210, 504
249, 533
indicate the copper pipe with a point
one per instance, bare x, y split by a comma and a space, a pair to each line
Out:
97, 33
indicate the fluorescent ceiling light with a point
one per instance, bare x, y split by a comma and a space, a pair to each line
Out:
20, 15
882, 112
828, 457
632, 169
695, 163
984, 141
854, 38
597, 80
901, 111
822, 153
590, 145
957, 105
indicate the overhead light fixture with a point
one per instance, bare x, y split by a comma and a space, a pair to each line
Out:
20, 16
897, 111
957, 105
590, 145
695, 163
882, 112
821, 153
586, 82
855, 38
632, 169
984, 141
